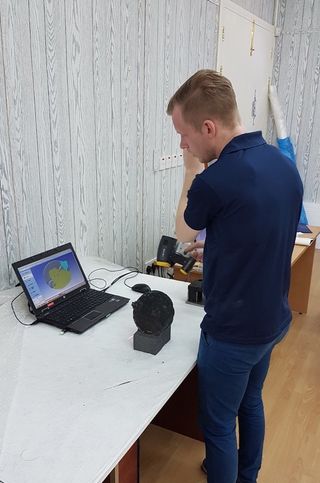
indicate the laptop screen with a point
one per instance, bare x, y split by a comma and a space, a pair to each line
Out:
51, 277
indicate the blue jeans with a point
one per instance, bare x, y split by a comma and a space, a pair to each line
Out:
231, 378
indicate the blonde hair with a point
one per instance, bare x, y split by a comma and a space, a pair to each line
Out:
205, 95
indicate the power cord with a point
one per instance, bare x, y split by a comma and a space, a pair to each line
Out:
14, 313
121, 276
128, 278
132, 270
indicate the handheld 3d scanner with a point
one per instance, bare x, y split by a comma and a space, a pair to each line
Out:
168, 254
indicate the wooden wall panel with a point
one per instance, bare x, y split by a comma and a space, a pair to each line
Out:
106, 57
3, 249
166, 135
181, 73
138, 159
261, 8
115, 131
149, 127
72, 141
25, 182
101, 37
9, 246
181, 35
42, 121
81, 112
83, 92
59, 128
296, 72
131, 98
211, 35
158, 220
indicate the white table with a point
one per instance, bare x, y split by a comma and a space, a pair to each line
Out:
72, 405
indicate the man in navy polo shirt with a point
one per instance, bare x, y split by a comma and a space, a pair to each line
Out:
249, 202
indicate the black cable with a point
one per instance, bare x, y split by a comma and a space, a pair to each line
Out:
91, 280
14, 313
128, 278
134, 270
112, 271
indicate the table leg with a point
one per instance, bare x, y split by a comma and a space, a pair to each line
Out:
127, 471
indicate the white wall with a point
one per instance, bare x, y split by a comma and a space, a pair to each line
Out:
263, 9
83, 91
297, 74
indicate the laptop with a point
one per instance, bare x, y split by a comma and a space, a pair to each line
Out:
58, 291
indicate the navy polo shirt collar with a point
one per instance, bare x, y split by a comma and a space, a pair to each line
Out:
244, 141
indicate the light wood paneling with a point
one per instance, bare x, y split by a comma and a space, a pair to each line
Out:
22, 138
83, 92
9, 245
297, 72
36, 14
3, 249
78, 17
71, 125
149, 127
59, 131
131, 97
291, 397
181, 35
263, 10
101, 36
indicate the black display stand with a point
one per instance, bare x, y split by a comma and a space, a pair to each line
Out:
149, 342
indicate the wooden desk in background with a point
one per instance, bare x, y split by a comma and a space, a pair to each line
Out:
301, 272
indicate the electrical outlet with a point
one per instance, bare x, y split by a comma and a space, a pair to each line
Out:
162, 164
174, 163
168, 161
180, 160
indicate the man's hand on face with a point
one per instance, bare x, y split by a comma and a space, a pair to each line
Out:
192, 163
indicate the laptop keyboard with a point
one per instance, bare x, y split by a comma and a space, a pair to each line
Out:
79, 306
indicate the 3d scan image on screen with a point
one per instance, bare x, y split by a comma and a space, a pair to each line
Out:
52, 277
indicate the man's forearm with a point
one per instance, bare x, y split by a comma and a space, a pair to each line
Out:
183, 232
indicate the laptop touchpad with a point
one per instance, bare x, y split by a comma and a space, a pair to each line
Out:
92, 315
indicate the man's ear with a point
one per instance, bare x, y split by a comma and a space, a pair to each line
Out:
209, 127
